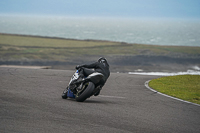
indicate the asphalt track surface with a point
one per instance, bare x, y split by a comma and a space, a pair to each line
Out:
30, 102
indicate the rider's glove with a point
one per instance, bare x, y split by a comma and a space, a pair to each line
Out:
78, 66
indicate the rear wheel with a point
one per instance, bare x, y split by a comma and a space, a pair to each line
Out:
85, 92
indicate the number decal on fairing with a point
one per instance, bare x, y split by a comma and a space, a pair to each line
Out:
74, 77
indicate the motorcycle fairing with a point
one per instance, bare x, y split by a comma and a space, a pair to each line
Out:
95, 77
74, 77
70, 94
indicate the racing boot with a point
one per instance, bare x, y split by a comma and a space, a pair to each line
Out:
98, 91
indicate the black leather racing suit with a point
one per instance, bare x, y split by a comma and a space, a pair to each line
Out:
97, 67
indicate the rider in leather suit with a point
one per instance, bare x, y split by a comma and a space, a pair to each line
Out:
100, 66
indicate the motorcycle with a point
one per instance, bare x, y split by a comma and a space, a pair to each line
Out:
82, 88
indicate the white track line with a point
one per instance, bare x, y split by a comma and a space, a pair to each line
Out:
147, 86
111, 96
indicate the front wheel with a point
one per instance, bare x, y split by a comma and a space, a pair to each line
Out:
85, 92
64, 94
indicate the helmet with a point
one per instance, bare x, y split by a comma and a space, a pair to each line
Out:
102, 60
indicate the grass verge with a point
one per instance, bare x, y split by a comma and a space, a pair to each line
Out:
18, 47
186, 87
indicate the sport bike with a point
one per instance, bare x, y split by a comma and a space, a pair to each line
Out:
82, 88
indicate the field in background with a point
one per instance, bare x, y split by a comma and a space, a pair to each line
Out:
18, 48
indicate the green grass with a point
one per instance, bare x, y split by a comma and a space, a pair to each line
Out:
186, 87
16, 47
30, 41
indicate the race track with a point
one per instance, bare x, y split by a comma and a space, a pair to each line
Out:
30, 102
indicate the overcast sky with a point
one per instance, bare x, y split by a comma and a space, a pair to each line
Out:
100, 8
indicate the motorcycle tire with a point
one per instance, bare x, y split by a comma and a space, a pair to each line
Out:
64, 94
86, 92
